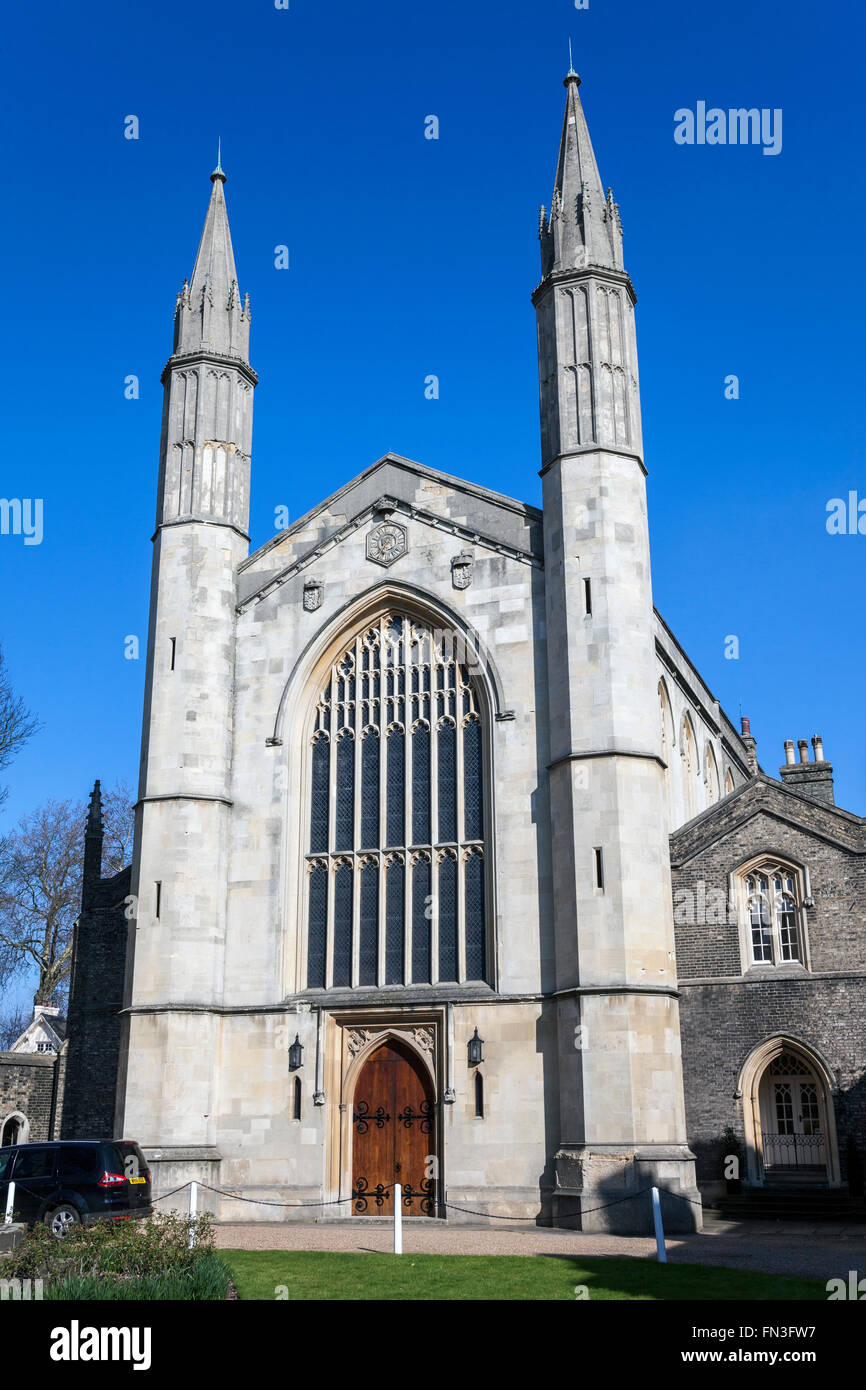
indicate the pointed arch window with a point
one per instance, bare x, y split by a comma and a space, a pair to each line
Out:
773, 915
397, 863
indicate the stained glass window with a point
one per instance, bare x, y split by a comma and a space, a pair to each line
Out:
397, 774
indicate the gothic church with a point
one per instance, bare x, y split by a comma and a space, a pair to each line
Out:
449, 869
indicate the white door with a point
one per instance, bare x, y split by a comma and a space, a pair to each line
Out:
792, 1119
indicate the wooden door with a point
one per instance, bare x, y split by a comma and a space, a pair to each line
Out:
393, 1134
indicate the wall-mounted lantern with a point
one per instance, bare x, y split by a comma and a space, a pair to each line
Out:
296, 1054
475, 1053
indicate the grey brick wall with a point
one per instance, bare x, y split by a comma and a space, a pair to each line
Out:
725, 1019
27, 1086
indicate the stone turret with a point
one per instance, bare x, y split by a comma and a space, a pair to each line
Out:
181, 845
622, 1114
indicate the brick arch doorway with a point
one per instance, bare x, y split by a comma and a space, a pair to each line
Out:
790, 1129
393, 1134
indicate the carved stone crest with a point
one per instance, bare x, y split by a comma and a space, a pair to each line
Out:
461, 569
387, 542
313, 592
424, 1038
358, 1039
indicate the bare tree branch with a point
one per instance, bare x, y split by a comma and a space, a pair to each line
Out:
17, 724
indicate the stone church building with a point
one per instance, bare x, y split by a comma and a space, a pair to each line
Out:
443, 844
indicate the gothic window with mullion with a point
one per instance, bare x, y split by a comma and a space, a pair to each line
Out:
772, 913
396, 857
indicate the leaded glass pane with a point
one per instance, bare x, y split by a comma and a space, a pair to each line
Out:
788, 929
344, 823
448, 918
318, 926
421, 922
370, 789
394, 895
762, 936
343, 925
421, 785
472, 788
368, 946
319, 796
475, 952
391, 679
396, 786
447, 783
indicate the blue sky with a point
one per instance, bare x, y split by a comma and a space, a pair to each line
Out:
410, 257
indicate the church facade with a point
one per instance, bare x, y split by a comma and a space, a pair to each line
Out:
415, 776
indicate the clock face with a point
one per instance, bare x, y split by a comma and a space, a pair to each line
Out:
386, 543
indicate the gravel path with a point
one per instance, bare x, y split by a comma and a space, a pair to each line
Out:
821, 1252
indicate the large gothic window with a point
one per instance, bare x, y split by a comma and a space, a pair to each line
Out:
396, 868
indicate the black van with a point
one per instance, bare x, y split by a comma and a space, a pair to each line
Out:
74, 1181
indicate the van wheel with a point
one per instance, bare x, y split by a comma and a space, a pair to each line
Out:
62, 1219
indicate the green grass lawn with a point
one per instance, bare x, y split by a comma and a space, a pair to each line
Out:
318, 1275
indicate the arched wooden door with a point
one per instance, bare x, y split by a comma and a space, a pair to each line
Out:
393, 1134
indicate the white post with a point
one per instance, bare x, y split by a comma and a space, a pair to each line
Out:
10, 1200
657, 1222
193, 1211
398, 1219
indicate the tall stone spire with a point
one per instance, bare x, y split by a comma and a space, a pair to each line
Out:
583, 225
622, 1112
208, 415
179, 879
209, 315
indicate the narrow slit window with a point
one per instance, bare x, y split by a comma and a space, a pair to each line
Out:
158, 887
479, 1095
296, 1105
173, 651
599, 868
587, 596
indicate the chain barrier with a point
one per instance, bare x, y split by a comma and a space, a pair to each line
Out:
450, 1206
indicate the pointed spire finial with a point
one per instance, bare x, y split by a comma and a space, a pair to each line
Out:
571, 75
218, 172
94, 811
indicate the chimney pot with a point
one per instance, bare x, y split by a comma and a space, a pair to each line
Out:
789, 751
804, 750
818, 747
745, 726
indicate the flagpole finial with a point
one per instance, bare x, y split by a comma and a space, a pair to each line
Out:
218, 172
